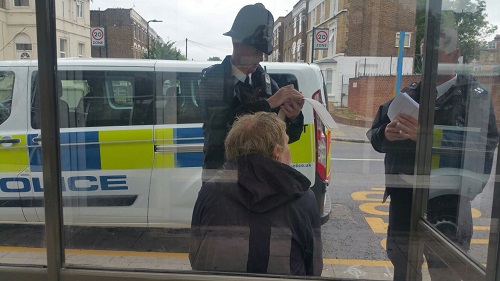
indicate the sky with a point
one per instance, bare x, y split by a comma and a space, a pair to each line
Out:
202, 22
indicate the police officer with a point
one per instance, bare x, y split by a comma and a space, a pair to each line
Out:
239, 85
461, 102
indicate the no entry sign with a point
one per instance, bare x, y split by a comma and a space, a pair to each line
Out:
321, 38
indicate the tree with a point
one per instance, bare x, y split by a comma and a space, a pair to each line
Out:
214, 59
164, 51
468, 17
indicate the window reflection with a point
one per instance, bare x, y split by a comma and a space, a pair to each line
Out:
132, 137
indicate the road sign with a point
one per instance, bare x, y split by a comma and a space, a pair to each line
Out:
97, 34
321, 39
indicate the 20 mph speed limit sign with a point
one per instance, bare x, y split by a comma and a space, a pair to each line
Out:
321, 39
97, 34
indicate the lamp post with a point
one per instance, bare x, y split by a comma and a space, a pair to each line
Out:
147, 32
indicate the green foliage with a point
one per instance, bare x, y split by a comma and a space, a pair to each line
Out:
468, 17
214, 59
164, 51
420, 22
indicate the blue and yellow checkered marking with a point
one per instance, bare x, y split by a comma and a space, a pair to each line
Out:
73, 157
134, 149
188, 136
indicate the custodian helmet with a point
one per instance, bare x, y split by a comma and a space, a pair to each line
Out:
253, 26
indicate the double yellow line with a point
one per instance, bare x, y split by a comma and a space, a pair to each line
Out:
163, 255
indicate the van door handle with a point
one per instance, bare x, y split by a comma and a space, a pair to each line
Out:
9, 140
179, 148
37, 140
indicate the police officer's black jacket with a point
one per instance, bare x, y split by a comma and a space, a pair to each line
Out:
256, 215
219, 106
465, 104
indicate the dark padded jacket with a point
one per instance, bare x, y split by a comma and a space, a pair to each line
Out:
219, 107
257, 216
465, 104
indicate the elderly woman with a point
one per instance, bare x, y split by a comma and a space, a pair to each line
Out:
258, 214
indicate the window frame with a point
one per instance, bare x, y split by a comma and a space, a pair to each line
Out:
5, 105
29, 45
407, 35
63, 52
22, 3
79, 9
333, 7
81, 50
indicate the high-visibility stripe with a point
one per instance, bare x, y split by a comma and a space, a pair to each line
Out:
436, 142
132, 149
188, 136
303, 150
164, 136
329, 143
79, 152
15, 158
126, 149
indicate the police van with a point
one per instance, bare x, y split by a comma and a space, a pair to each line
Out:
131, 140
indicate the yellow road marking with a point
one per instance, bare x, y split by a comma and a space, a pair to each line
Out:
357, 262
479, 227
479, 241
371, 208
100, 252
383, 243
178, 255
363, 196
377, 225
476, 213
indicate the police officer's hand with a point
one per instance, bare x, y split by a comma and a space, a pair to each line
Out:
404, 127
287, 93
292, 108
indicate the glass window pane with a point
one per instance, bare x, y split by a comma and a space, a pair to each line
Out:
22, 233
21, 3
143, 142
464, 142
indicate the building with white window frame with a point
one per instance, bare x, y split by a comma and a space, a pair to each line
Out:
352, 31
18, 39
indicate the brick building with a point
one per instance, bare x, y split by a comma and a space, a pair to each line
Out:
290, 34
126, 33
363, 39
491, 55
278, 32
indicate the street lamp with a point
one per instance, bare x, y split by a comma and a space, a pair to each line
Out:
147, 32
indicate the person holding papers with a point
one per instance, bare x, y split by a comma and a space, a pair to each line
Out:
462, 103
240, 85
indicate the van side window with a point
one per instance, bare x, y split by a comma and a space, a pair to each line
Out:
285, 79
176, 104
102, 98
6, 90
35, 104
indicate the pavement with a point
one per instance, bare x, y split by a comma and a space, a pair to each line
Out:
350, 133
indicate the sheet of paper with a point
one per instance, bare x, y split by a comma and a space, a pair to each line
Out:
403, 103
323, 114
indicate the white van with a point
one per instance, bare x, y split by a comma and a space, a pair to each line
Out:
131, 140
